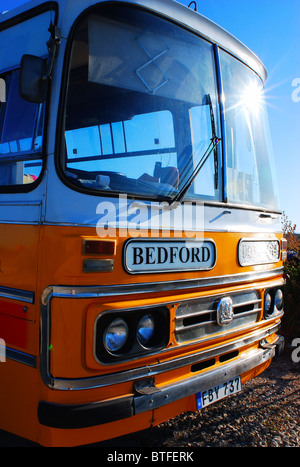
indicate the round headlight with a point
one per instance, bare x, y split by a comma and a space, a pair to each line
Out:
145, 330
268, 303
278, 300
116, 335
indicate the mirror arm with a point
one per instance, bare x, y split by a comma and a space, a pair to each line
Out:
53, 46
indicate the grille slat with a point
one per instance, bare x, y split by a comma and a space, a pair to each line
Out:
192, 326
189, 315
250, 302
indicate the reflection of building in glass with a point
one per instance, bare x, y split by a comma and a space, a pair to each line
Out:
2, 351
2, 90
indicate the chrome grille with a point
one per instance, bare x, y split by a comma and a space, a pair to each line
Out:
197, 319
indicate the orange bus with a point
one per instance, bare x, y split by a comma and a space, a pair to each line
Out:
141, 254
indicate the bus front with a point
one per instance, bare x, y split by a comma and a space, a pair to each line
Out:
162, 232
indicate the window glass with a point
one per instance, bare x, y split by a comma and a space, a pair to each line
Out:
21, 125
250, 168
141, 97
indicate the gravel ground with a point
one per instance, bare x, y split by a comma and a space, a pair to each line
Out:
266, 413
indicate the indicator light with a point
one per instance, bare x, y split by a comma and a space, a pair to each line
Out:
99, 247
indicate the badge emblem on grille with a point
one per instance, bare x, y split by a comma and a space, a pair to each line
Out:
225, 312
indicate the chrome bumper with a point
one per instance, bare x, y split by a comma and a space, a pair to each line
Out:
201, 382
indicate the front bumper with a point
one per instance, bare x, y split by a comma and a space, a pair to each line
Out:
152, 397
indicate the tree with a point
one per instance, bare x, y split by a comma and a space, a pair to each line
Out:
291, 320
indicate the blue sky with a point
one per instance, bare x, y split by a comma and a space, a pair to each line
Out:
270, 28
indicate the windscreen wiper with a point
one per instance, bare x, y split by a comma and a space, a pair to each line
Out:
214, 134
212, 147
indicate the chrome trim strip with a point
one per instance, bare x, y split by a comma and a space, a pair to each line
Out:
155, 287
16, 294
18, 204
136, 373
18, 223
201, 382
21, 357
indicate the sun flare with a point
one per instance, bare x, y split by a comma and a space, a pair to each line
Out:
252, 98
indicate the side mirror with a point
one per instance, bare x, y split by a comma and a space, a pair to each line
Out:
33, 79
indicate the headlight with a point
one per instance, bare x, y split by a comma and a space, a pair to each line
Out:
268, 304
278, 300
115, 335
145, 330
273, 305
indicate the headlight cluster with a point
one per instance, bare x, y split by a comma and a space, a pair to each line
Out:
123, 335
273, 303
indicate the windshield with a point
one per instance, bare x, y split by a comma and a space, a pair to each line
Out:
250, 168
141, 108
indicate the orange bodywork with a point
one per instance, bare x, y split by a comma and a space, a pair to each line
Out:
36, 258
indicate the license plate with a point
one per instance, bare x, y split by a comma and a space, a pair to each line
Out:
217, 392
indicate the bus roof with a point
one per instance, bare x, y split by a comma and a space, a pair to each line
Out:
168, 8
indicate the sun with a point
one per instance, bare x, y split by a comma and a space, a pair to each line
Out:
252, 98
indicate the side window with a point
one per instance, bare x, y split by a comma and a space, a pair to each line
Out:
21, 125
